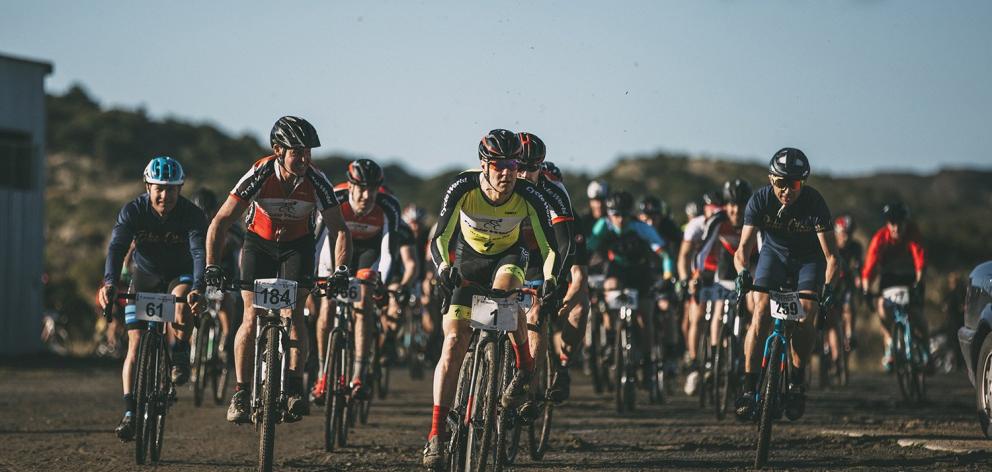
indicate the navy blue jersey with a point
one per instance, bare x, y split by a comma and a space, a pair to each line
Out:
793, 230
167, 247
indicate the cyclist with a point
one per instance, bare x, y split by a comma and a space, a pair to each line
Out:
896, 254
631, 245
372, 217
486, 208
575, 303
721, 237
416, 218
283, 191
797, 240
167, 231
849, 281
206, 200
654, 212
696, 274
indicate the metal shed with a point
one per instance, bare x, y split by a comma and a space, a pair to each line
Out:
22, 191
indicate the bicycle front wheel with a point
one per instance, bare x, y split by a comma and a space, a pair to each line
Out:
162, 393
768, 404
334, 394
200, 366
270, 401
722, 393
540, 430
482, 414
144, 380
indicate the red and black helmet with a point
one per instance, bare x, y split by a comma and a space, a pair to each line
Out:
532, 151
844, 223
499, 144
365, 172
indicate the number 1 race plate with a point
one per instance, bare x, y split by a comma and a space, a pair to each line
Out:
786, 306
494, 315
159, 307
274, 294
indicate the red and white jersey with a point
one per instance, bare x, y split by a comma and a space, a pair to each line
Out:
276, 215
383, 218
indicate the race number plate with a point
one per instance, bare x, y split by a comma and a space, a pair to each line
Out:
160, 307
596, 281
494, 314
896, 295
274, 294
353, 294
786, 306
616, 299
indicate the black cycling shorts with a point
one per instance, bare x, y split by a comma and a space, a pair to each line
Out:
775, 269
637, 277
145, 282
482, 269
895, 280
290, 260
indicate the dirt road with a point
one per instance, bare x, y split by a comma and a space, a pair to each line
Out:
59, 415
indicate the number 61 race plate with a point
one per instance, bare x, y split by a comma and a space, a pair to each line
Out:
160, 307
786, 306
274, 294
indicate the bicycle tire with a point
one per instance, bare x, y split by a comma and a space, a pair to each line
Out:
162, 391
508, 424
459, 430
539, 432
201, 339
141, 398
334, 395
619, 368
270, 401
483, 412
902, 365
598, 380
918, 370
702, 357
771, 385
365, 406
721, 375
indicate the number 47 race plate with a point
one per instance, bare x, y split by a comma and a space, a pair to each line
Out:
786, 306
274, 294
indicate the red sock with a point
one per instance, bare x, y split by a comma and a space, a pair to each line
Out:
437, 421
521, 352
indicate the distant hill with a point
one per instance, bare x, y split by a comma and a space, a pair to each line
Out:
96, 156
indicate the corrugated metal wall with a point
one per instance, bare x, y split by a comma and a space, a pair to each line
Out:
22, 241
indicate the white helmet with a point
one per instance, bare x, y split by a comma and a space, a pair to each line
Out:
597, 190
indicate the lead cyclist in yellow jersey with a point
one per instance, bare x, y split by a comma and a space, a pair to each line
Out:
481, 216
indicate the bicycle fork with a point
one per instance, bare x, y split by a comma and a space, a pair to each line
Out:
263, 327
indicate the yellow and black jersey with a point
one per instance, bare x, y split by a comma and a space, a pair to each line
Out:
488, 228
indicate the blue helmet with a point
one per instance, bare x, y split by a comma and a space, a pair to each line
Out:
164, 170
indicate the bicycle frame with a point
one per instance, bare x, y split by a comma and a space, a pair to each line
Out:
271, 320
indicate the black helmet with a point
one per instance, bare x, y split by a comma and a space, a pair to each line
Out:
895, 212
294, 132
499, 144
789, 163
737, 191
553, 172
532, 150
620, 203
206, 199
365, 172
713, 198
650, 205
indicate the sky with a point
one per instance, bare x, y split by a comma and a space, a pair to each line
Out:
859, 85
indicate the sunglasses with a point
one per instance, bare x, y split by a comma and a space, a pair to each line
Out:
786, 183
504, 164
529, 167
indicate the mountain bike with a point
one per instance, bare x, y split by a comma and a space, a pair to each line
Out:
598, 355
786, 308
479, 436
153, 389
727, 367
208, 367
339, 412
268, 397
908, 350
412, 339
626, 358
539, 430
